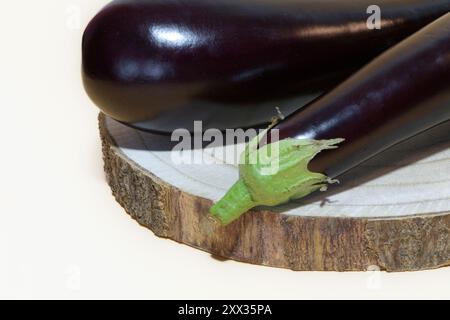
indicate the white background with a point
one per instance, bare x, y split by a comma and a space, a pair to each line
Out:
62, 235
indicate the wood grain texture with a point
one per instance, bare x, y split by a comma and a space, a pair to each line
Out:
405, 243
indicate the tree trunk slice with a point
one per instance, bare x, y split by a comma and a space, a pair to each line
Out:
395, 221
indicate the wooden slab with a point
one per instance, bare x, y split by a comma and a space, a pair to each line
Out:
391, 213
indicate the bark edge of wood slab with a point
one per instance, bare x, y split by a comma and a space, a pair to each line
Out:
409, 243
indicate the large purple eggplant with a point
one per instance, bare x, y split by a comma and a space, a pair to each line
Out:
400, 94
160, 64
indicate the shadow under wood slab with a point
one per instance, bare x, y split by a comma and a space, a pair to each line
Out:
344, 233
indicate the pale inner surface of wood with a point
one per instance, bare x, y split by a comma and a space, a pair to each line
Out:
412, 178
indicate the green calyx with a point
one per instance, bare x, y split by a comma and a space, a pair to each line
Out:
272, 175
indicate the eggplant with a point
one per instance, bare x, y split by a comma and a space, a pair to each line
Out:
400, 94
159, 65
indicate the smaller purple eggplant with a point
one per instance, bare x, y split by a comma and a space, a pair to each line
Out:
400, 94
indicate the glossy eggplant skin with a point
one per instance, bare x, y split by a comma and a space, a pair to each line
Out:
146, 61
400, 94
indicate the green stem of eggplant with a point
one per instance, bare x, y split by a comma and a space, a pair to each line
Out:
272, 175
237, 201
